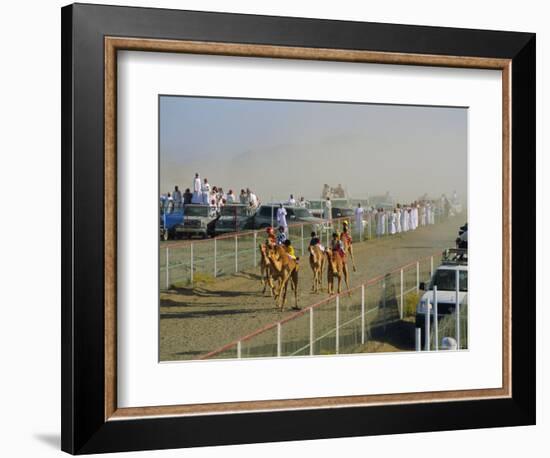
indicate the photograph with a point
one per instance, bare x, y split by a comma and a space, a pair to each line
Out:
307, 228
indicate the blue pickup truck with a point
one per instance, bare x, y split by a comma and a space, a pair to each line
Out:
170, 217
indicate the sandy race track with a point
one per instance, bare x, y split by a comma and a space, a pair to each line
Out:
196, 320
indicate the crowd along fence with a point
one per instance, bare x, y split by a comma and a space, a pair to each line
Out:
182, 263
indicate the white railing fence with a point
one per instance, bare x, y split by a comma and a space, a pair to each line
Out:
183, 263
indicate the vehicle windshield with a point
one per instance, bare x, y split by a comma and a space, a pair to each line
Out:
234, 210
203, 210
444, 279
316, 205
302, 213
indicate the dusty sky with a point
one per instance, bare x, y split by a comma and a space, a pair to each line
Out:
282, 147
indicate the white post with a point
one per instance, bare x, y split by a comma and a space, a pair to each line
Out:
255, 248
191, 263
215, 257
239, 350
457, 308
279, 348
417, 277
236, 254
436, 322
337, 324
427, 327
311, 352
167, 267
431, 267
302, 237
401, 295
418, 336
362, 314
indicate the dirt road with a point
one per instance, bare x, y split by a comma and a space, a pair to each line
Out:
194, 321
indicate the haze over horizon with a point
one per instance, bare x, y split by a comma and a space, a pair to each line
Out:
277, 148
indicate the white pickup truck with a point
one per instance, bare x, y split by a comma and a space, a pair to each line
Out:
445, 280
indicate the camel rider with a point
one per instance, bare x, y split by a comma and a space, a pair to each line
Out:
290, 249
281, 235
271, 240
316, 241
345, 236
338, 245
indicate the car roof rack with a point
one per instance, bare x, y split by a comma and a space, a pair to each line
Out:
455, 256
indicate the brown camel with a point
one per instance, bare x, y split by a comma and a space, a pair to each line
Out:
337, 267
283, 267
317, 262
348, 248
265, 271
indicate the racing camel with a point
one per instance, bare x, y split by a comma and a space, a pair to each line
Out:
337, 267
265, 272
348, 247
284, 268
317, 262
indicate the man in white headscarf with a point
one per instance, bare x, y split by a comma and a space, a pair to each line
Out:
404, 225
197, 194
398, 219
205, 189
281, 217
327, 214
393, 222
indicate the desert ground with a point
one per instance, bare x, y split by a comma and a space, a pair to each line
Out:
197, 319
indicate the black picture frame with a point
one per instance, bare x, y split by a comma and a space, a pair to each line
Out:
84, 428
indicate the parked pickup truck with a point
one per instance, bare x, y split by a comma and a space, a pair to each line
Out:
196, 221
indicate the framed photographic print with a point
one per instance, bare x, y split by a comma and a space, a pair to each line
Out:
266, 228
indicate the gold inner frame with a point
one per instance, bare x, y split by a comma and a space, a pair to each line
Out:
114, 44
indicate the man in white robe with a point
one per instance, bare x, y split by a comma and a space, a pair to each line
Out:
292, 201
404, 227
205, 190
327, 214
281, 217
176, 195
197, 195
359, 220
398, 220
393, 222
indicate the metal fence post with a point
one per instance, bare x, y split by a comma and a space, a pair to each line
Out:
401, 295
362, 314
279, 347
417, 277
255, 248
457, 308
431, 267
311, 352
191, 263
167, 260
337, 324
215, 257
239, 349
236, 254
302, 237
436, 321
427, 327
418, 337
384, 301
